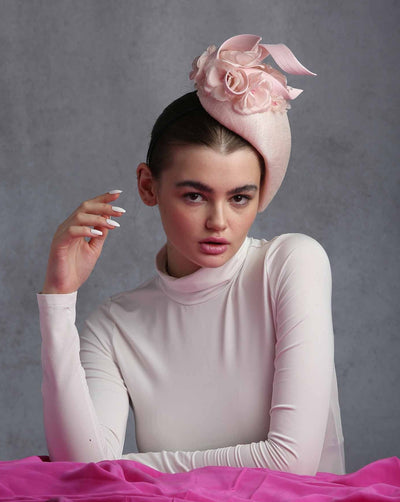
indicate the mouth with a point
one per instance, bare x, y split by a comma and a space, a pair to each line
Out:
214, 246
215, 242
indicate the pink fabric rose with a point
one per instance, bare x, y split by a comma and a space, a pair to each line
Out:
257, 97
236, 81
235, 73
198, 64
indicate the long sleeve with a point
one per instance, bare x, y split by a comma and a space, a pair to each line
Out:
298, 279
77, 429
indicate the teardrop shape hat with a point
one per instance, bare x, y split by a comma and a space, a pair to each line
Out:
251, 98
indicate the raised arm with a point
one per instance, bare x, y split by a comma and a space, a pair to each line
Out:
298, 277
73, 424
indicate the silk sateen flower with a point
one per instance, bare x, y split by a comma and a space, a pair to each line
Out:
236, 73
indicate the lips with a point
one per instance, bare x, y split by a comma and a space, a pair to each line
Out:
214, 240
214, 246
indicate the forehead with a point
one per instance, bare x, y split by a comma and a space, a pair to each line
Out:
208, 165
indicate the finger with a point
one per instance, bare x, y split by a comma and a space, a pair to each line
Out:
93, 220
100, 224
117, 210
76, 231
107, 196
100, 208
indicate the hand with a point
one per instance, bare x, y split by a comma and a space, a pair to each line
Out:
72, 258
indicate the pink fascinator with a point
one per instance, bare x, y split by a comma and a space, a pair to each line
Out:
251, 98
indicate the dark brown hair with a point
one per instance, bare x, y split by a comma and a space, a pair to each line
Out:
185, 122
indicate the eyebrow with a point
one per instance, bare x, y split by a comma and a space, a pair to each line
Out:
204, 188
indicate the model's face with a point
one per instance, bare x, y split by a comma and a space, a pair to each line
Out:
204, 195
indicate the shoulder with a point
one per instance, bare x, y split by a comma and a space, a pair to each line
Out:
288, 245
296, 245
292, 252
297, 259
126, 299
120, 305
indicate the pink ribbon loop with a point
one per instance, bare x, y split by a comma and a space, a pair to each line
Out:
286, 60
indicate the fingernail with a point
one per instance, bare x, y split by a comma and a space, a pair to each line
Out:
113, 223
118, 209
96, 232
115, 191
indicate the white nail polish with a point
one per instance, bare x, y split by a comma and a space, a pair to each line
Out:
96, 232
118, 209
113, 223
115, 191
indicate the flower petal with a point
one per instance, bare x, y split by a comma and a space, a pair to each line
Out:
293, 93
242, 50
236, 81
240, 43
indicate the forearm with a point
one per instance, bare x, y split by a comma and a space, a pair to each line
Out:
73, 432
275, 455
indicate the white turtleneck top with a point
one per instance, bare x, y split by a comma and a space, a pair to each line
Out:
230, 366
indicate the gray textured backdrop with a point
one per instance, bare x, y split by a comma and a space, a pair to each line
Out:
81, 83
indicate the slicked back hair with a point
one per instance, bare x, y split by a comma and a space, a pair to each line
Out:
185, 122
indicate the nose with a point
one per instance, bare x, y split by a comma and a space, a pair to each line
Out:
216, 218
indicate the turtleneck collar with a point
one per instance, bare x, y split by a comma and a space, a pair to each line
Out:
202, 285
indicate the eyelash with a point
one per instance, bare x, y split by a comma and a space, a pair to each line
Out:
187, 196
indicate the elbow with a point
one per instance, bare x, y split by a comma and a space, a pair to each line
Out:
68, 451
298, 465
289, 458
74, 456
302, 466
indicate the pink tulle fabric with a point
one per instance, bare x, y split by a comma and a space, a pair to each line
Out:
34, 478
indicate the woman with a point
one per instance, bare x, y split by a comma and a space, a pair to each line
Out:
226, 354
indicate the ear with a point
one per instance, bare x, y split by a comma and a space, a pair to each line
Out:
146, 185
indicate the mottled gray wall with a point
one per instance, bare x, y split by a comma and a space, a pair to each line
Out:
81, 83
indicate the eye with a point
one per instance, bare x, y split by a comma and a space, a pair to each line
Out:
241, 200
193, 197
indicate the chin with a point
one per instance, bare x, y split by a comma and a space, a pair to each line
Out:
214, 261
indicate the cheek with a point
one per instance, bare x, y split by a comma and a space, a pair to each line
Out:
244, 220
178, 220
